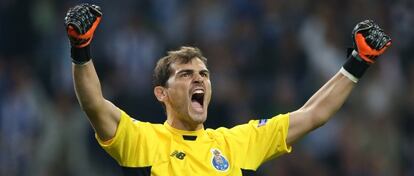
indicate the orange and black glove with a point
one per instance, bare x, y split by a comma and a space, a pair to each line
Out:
81, 22
369, 41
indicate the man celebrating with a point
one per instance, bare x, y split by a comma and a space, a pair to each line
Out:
182, 146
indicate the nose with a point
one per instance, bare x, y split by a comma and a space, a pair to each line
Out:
198, 78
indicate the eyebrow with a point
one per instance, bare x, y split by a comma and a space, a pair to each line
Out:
192, 71
205, 71
185, 71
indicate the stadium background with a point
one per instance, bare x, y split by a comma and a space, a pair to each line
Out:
266, 57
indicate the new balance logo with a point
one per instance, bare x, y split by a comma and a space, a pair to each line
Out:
178, 154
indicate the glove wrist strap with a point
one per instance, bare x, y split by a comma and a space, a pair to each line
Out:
355, 67
80, 55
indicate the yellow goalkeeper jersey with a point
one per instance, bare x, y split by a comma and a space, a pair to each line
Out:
143, 148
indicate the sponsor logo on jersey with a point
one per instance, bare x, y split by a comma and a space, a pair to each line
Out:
219, 161
178, 154
262, 122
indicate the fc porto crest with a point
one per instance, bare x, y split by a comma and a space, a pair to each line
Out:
219, 161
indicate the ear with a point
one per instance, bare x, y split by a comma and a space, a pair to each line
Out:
161, 93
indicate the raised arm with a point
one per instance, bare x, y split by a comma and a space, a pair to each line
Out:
81, 22
369, 42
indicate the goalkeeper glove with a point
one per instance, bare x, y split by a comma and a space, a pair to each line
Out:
369, 41
81, 22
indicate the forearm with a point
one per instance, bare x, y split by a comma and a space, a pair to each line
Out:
328, 99
103, 115
87, 86
320, 107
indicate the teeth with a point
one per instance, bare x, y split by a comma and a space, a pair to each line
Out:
199, 91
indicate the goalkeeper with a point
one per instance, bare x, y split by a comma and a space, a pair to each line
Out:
182, 146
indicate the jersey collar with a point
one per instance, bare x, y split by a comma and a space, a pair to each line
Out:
183, 132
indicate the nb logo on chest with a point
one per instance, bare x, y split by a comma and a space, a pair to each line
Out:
178, 154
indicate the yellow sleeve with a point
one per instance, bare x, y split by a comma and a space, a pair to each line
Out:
130, 147
260, 140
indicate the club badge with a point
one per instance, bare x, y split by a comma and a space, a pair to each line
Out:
218, 161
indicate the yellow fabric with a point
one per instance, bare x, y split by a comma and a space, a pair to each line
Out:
214, 152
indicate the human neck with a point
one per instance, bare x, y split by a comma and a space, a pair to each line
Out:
182, 125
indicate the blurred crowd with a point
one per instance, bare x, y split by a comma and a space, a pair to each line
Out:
266, 57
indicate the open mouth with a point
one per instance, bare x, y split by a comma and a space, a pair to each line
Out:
197, 100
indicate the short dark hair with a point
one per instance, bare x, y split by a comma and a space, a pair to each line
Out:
185, 54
